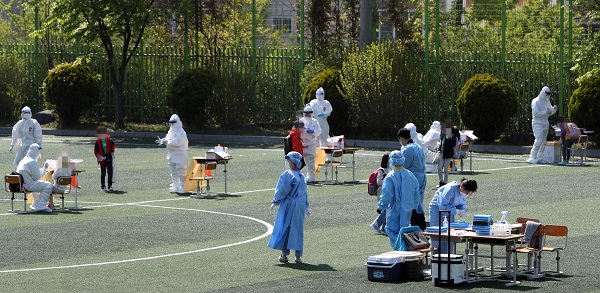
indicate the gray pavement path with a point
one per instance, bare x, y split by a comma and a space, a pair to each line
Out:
374, 144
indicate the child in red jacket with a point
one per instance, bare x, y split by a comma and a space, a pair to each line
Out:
104, 150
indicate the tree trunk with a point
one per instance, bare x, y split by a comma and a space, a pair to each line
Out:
119, 101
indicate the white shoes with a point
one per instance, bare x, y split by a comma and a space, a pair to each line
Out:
44, 209
532, 161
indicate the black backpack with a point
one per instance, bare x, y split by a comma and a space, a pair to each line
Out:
15, 187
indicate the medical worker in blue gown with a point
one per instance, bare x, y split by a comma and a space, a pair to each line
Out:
452, 197
414, 161
398, 196
292, 199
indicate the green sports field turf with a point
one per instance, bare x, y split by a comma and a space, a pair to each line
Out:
141, 238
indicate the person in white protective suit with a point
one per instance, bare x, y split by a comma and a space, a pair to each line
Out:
430, 141
177, 146
24, 133
312, 130
415, 136
541, 109
323, 109
30, 170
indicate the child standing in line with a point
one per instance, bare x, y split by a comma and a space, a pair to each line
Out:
292, 199
104, 150
379, 224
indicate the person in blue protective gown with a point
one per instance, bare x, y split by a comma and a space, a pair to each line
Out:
452, 197
398, 196
414, 161
292, 199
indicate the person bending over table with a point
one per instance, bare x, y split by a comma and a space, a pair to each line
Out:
453, 197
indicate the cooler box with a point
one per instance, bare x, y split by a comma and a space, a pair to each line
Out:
457, 268
394, 266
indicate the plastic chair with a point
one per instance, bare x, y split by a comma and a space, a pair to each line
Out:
65, 183
208, 168
556, 231
581, 146
336, 157
13, 183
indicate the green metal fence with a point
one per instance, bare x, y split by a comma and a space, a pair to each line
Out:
530, 47
268, 94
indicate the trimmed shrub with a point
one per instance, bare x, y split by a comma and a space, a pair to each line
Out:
485, 104
584, 104
12, 78
329, 80
189, 94
232, 103
71, 89
384, 84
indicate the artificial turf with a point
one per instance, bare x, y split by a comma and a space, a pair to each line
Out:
141, 238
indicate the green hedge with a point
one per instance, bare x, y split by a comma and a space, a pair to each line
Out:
584, 104
71, 89
485, 104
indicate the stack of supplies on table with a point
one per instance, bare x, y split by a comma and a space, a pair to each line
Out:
436, 229
482, 223
459, 225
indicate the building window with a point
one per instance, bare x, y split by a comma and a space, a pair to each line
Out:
282, 24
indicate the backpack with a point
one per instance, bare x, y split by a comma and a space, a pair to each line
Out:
372, 184
287, 144
574, 131
15, 187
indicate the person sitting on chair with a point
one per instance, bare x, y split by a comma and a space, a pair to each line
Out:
30, 170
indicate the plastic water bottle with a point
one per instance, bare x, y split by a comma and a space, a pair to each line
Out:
445, 223
503, 219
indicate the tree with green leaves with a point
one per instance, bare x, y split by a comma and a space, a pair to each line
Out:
118, 24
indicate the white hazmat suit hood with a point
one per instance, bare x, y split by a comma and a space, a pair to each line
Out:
26, 113
320, 94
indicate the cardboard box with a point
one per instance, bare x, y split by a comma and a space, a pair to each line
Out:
212, 155
552, 152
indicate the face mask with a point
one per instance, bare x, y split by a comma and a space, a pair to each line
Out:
287, 165
464, 195
27, 115
448, 132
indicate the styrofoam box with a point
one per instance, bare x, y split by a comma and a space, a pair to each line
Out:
457, 268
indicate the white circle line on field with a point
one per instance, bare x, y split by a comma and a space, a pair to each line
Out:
269, 231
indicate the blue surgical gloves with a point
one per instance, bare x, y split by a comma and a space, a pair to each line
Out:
11, 148
311, 131
321, 114
273, 206
308, 213
461, 213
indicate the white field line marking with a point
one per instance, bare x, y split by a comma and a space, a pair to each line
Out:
501, 169
269, 231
